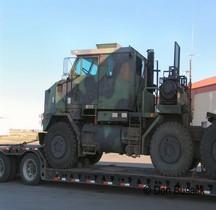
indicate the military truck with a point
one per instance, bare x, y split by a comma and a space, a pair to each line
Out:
109, 102
112, 100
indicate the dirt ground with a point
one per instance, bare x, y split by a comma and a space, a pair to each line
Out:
20, 136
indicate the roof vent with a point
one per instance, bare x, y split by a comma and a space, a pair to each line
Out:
108, 45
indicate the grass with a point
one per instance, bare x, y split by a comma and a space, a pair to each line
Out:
19, 136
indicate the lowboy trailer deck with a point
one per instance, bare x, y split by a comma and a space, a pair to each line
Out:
29, 161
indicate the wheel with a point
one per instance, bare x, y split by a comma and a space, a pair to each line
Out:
208, 150
5, 168
60, 146
171, 149
30, 169
94, 158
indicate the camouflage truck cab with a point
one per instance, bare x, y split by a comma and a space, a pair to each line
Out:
100, 81
106, 80
108, 102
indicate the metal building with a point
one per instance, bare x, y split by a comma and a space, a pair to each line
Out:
203, 100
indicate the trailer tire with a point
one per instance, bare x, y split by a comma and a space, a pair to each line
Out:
5, 168
208, 150
30, 169
61, 146
93, 159
171, 149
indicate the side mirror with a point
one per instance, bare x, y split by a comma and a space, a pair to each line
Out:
65, 67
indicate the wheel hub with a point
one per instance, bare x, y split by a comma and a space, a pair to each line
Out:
214, 151
30, 170
170, 149
58, 146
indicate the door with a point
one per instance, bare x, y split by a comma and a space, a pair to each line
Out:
85, 81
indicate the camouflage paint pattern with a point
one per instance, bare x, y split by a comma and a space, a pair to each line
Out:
109, 95
106, 138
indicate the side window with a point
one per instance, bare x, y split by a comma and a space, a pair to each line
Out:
140, 66
86, 66
110, 66
143, 69
78, 66
90, 66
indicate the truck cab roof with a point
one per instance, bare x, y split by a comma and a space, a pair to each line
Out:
107, 48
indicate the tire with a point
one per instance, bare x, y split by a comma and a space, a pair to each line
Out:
5, 167
30, 169
208, 150
171, 149
93, 159
61, 146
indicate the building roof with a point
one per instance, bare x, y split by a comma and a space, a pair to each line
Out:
204, 83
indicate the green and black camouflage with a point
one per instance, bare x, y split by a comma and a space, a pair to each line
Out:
111, 102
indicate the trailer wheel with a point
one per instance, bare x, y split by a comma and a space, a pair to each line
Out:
61, 146
5, 168
208, 150
171, 149
94, 158
30, 170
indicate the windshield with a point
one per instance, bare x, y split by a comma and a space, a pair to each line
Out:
85, 66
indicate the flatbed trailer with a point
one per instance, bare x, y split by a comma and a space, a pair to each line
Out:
30, 162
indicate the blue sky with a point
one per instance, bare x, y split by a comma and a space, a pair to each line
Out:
35, 36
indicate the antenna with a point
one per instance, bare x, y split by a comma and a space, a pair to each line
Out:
190, 64
192, 48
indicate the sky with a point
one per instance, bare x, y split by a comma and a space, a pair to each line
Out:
35, 36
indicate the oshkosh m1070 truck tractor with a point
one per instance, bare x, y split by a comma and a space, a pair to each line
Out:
109, 102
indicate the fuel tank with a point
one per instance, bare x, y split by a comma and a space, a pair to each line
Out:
106, 138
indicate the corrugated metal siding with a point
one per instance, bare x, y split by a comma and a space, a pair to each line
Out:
203, 102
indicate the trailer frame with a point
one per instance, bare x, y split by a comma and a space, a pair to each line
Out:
148, 179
